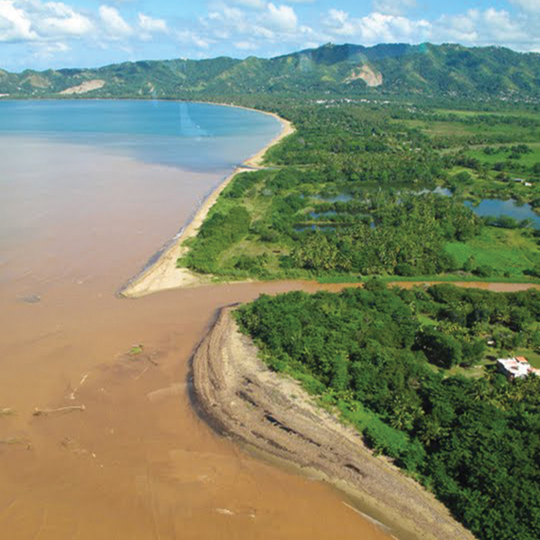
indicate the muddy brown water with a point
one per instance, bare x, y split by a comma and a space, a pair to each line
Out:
136, 463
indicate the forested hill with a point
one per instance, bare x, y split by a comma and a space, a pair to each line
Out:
431, 70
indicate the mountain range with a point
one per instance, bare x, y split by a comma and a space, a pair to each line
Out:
386, 69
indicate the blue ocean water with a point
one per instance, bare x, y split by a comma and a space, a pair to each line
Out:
192, 136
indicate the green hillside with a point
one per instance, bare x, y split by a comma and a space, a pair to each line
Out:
431, 70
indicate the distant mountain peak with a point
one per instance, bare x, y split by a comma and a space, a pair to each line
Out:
346, 69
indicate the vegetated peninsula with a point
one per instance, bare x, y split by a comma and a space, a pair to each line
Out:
412, 371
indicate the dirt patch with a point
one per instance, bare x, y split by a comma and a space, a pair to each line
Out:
87, 86
272, 414
367, 74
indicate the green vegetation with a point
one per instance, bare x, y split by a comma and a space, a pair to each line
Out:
136, 350
348, 195
357, 191
488, 154
497, 252
411, 369
426, 70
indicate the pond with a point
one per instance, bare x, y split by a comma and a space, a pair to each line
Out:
313, 227
511, 208
316, 215
340, 197
487, 207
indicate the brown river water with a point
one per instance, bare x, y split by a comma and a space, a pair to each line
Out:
137, 463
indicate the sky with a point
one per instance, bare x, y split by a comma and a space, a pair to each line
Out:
39, 34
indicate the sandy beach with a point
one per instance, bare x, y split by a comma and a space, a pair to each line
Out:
163, 274
272, 415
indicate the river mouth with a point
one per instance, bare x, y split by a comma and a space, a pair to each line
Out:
117, 446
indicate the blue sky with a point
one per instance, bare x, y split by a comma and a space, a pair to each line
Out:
40, 34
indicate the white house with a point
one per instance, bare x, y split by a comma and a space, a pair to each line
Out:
516, 368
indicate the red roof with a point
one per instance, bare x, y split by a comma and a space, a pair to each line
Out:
522, 359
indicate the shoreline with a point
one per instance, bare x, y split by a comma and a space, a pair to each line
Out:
163, 274
273, 417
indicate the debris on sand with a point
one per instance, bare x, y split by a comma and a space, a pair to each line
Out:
30, 299
16, 441
224, 512
61, 410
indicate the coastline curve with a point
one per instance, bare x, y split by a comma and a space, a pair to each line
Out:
161, 272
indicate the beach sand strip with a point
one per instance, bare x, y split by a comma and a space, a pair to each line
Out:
163, 273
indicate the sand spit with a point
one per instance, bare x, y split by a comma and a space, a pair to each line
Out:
273, 415
163, 274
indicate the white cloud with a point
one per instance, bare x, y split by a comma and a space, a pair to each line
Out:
459, 28
14, 23
245, 46
532, 6
376, 28
47, 51
488, 27
272, 27
33, 20
60, 19
338, 23
281, 17
474, 27
393, 7
115, 26
188, 37
150, 25
268, 24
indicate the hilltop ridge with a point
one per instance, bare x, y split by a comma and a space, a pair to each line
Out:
387, 69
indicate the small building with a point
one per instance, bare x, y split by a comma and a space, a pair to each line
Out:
516, 368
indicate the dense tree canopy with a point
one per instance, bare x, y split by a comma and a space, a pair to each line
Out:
381, 357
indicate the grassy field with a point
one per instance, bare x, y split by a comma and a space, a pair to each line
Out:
527, 160
497, 132
508, 252
475, 372
515, 113
353, 280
